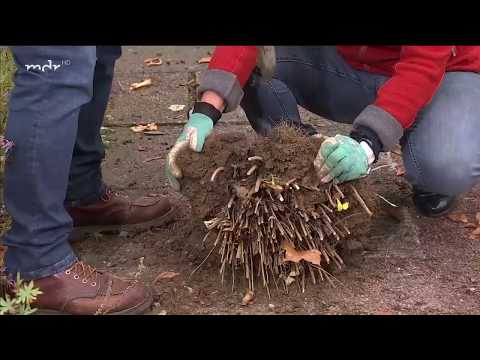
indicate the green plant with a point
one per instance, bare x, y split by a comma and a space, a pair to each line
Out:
7, 68
21, 303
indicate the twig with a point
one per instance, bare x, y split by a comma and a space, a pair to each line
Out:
361, 201
388, 202
199, 266
153, 158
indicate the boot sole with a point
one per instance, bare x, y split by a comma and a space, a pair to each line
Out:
136, 310
80, 232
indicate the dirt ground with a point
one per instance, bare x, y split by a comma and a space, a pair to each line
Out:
408, 266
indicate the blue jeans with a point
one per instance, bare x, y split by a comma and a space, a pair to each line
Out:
441, 152
55, 113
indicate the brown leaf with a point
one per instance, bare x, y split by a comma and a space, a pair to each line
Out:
166, 275
460, 218
400, 171
144, 83
313, 256
153, 61
205, 60
248, 298
141, 148
476, 231
139, 128
470, 226
477, 217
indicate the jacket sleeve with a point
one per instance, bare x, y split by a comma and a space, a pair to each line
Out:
228, 72
416, 78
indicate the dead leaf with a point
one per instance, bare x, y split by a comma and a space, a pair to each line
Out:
140, 85
470, 226
248, 298
176, 107
460, 218
205, 60
313, 256
165, 275
163, 312
153, 61
139, 128
141, 148
476, 231
400, 171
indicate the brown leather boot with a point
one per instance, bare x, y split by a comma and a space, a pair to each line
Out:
83, 290
113, 211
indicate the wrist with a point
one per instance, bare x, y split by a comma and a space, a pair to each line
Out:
208, 110
363, 134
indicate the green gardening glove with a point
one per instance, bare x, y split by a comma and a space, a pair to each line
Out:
342, 159
193, 136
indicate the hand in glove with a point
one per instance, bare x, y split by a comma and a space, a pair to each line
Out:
198, 128
344, 158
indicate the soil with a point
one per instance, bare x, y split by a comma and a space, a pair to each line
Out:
404, 264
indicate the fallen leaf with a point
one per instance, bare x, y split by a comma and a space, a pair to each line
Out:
141, 148
470, 226
205, 60
176, 107
141, 127
165, 275
476, 231
140, 85
248, 298
163, 312
313, 256
153, 61
461, 218
400, 171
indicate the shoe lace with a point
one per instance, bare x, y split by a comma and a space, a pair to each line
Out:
84, 271
108, 194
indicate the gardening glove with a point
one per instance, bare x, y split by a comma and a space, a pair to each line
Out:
344, 158
199, 126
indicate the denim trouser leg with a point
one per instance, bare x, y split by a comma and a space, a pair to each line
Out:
441, 152
316, 78
85, 182
43, 116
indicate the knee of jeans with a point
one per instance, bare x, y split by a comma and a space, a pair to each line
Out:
448, 175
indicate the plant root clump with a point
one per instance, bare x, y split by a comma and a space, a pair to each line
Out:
265, 212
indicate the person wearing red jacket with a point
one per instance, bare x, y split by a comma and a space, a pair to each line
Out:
425, 98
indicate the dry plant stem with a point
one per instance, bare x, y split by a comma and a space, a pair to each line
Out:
263, 212
388, 202
216, 172
361, 201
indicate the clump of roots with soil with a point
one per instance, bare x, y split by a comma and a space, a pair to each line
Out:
266, 214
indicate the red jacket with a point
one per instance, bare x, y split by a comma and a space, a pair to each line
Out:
416, 71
